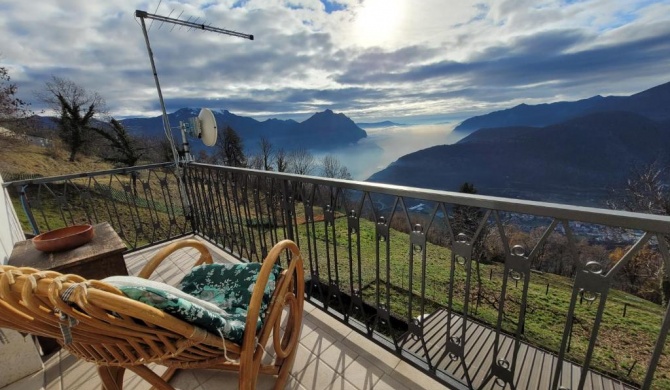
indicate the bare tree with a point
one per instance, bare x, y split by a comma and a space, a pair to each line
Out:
333, 168
281, 160
11, 107
76, 107
159, 150
255, 162
266, 154
647, 192
300, 162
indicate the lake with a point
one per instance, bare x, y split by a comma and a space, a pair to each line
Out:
385, 145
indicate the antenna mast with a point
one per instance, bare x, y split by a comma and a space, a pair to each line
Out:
192, 25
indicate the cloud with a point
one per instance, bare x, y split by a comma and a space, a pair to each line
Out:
435, 59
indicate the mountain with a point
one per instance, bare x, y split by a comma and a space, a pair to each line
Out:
376, 125
323, 131
652, 103
577, 161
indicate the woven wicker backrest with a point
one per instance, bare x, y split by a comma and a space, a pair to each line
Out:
94, 320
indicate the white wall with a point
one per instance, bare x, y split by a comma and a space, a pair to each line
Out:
13, 232
18, 354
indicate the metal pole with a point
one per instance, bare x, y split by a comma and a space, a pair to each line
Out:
166, 121
166, 124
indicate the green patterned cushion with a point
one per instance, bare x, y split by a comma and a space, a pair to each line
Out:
230, 286
214, 297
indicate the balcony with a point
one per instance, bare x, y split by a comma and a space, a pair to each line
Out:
331, 355
402, 287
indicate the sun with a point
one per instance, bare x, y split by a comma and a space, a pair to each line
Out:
378, 21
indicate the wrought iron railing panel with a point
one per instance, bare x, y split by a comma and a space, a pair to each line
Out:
143, 204
480, 292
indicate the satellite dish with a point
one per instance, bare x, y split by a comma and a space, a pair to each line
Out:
206, 127
203, 126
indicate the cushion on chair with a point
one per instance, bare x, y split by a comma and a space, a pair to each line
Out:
214, 297
127, 282
230, 286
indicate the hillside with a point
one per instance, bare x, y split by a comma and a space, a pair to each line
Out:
323, 131
577, 161
652, 103
21, 159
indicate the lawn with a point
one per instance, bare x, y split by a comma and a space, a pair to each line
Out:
623, 343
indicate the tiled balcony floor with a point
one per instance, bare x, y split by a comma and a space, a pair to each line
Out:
330, 356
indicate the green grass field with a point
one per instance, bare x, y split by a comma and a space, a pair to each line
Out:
623, 342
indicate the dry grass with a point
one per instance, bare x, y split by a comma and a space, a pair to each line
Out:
21, 157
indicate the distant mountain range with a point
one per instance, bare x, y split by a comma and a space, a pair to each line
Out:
321, 132
653, 103
578, 158
377, 125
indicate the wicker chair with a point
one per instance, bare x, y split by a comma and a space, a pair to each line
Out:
97, 323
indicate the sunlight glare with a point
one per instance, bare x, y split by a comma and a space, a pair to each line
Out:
378, 21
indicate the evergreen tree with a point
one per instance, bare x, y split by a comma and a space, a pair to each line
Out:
124, 147
230, 150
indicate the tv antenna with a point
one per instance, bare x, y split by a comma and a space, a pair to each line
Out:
204, 125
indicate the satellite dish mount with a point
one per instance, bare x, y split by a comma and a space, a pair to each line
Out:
203, 126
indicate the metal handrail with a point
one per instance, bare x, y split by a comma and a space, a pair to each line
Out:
52, 179
624, 219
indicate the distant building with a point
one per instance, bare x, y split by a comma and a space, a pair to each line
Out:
37, 141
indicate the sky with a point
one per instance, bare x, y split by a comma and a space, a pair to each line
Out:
410, 61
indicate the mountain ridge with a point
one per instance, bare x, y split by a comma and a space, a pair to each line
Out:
322, 131
375, 125
577, 161
652, 103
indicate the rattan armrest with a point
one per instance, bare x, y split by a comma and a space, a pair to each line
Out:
205, 256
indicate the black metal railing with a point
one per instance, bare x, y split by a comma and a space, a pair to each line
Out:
477, 291
143, 204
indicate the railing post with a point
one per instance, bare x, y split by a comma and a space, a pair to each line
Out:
26, 208
287, 203
187, 204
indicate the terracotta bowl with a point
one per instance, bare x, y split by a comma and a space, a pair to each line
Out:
63, 239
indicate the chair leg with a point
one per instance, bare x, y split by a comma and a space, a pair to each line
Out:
284, 371
112, 377
156, 381
168, 374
